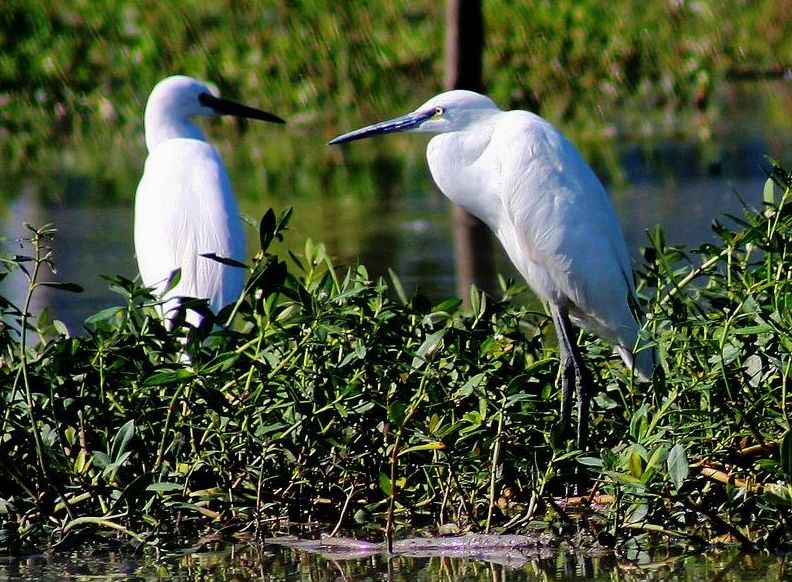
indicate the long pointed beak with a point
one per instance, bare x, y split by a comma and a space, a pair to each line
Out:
227, 107
395, 125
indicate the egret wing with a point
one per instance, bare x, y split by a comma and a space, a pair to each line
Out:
185, 207
565, 237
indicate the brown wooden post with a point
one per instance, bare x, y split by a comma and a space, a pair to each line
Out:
464, 45
464, 49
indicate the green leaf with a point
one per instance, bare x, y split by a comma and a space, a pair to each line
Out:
122, 439
173, 280
61, 328
396, 412
604, 401
637, 513
657, 237
385, 484
224, 260
768, 195
397, 286
475, 419
283, 222
433, 446
753, 329
267, 275
167, 377
786, 455
428, 347
472, 383
434, 422
70, 287
104, 315
111, 469
100, 459
164, 487
44, 318
655, 462
635, 465
557, 436
478, 301
625, 479
639, 423
449, 305
590, 462
678, 467
267, 229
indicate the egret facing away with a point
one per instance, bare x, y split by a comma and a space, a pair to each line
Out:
520, 176
185, 206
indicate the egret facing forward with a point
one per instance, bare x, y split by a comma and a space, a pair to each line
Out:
528, 183
185, 207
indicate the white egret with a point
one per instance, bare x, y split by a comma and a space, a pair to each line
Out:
185, 206
527, 182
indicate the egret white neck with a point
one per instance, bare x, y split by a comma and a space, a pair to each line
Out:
162, 125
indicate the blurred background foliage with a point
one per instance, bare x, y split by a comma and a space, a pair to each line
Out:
76, 74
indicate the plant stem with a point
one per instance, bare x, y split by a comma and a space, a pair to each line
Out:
41, 256
23, 371
394, 459
494, 465
161, 450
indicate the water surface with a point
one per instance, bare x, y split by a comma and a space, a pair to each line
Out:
275, 563
401, 221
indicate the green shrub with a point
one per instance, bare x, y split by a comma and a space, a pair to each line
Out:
331, 398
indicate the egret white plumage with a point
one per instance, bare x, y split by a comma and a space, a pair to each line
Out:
521, 176
185, 206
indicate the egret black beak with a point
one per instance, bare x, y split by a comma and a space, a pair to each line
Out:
395, 125
227, 107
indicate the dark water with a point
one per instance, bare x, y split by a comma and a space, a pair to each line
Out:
276, 563
681, 184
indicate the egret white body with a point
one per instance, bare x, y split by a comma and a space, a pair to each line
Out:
521, 176
185, 206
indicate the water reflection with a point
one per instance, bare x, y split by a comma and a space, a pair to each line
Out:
275, 563
410, 234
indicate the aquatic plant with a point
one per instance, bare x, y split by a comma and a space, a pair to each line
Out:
327, 401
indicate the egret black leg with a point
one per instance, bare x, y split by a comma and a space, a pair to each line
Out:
573, 369
567, 370
583, 381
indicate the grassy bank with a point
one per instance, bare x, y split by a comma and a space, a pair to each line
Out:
333, 400
75, 75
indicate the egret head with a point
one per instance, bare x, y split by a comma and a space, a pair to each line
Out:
175, 99
449, 111
184, 96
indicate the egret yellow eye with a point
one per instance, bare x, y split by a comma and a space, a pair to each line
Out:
439, 111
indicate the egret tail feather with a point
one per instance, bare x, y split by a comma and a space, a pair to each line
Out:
642, 363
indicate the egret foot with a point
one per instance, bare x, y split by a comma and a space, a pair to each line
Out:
574, 376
